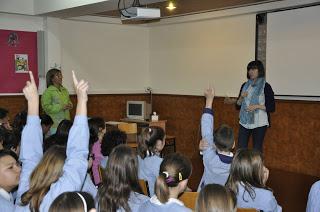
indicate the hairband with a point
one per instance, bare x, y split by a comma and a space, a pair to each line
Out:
149, 130
171, 178
83, 201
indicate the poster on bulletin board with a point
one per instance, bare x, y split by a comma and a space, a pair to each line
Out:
18, 54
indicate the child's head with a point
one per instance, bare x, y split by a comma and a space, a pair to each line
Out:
20, 121
97, 129
175, 170
247, 167
4, 118
46, 123
73, 202
112, 139
120, 178
11, 141
48, 171
62, 133
214, 197
224, 138
9, 170
152, 141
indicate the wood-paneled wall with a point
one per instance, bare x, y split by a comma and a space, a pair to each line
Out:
291, 144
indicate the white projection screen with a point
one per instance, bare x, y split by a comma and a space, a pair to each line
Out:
293, 53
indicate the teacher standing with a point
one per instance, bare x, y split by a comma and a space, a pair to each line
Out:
256, 102
55, 100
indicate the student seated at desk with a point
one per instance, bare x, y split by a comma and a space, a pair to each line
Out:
150, 146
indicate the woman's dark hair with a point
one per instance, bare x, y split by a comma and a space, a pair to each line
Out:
112, 139
95, 124
256, 64
50, 75
173, 169
120, 178
215, 197
46, 120
246, 168
148, 140
6, 152
3, 113
72, 202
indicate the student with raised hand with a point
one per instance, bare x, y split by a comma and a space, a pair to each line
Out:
247, 179
120, 190
44, 177
175, 170
150, 146
216, 146
9, 178
313, 204
215, 197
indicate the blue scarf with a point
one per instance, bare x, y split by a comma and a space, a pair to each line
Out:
258, 87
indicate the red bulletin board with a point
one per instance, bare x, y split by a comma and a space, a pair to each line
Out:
11, 44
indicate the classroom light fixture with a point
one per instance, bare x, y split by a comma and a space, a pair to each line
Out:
171, 6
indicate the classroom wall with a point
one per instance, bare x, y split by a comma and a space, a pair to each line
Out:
186, 57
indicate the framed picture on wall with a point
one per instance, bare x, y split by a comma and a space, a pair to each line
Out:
21, 63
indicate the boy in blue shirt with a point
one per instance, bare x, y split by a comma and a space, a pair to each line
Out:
216, 149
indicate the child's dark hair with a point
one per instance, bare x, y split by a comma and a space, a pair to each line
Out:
3, 113
120, 178
11, 140
72, 202
20, 121
246, 168
95, 124
6, 152
148, 140
173, 169
224, 138
112, 139
215, 197
46, 120
256, 64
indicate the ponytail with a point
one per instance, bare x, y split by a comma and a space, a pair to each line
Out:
162, 189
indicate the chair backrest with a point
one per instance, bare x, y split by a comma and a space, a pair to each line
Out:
189, 199
246, 210
144, 187
130, 129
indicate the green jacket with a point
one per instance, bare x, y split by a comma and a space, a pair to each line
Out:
52, 101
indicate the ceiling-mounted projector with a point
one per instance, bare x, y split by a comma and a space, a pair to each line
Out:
140, 13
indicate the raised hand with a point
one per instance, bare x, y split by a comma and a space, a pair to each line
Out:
30, 89
81, 88
209, 93
31, 93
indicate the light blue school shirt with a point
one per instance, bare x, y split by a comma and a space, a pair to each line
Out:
216, 170
264, 200
149, 168
154, 205
74, 169
313, 204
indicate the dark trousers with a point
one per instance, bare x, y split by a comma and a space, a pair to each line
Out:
257, 137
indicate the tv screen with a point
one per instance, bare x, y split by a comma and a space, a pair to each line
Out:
135, 109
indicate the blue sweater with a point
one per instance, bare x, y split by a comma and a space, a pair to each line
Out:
216, 166
314, 198
74, 169
154, 205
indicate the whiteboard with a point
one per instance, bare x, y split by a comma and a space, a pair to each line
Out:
293, 52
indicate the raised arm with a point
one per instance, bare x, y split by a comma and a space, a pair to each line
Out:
207, 118
76, 164
31, 139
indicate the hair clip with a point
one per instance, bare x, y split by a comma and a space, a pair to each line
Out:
180, 176
150, 130
166, 173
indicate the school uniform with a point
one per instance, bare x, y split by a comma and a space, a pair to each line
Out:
154, 205
6, 201
89, 187
216, 165
74, 169
313, 204
104, 161
264, 199
149, 168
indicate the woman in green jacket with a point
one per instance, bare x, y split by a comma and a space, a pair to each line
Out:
55, 100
